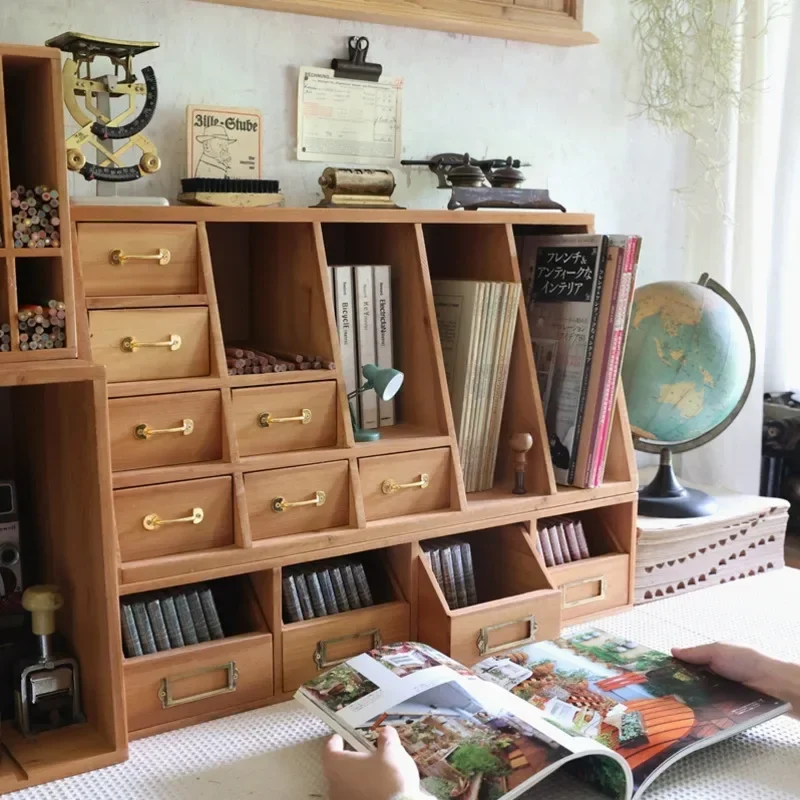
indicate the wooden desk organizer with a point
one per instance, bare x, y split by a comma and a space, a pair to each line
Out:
138, 430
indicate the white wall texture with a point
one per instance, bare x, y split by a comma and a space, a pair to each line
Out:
565, 110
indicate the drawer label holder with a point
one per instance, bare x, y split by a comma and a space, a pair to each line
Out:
165, 692
321, 652
482, 641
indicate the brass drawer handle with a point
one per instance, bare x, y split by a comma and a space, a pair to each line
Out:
165, 692
483, 636
119, 257
390, 486
143, 432
130, 344
152, 521
601, 579
321, 652
280, 504
266, 419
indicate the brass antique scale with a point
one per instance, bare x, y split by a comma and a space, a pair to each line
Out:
98, 128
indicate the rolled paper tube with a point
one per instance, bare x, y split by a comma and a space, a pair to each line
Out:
304, 365
232, 371
234, 352
268, 368
279, 368
235, 362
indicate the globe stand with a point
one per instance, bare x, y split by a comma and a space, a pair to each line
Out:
665, 497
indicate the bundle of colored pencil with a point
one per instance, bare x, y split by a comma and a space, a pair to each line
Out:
249, 361
42, 327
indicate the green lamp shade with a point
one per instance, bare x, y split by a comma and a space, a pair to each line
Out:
386, 382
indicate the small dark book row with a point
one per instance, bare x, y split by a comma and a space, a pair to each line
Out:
562, 540
169, 620
451, 562
325, 588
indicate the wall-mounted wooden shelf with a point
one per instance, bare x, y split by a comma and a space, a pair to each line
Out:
555, 22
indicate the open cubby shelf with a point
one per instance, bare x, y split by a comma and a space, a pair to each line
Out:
32, 154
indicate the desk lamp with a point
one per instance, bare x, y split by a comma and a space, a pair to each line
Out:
386, 384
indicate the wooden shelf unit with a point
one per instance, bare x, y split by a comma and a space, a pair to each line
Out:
32, 153
262, 275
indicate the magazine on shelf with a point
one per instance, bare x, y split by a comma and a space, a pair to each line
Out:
607, 710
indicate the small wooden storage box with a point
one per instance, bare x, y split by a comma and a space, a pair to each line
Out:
166, 690
151, 343
296, 416
312, 646
171, 518
593, 585
298, 499
517, 603
165, 429
120, 259
406, 483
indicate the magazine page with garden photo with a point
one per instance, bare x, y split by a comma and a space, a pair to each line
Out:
606, 710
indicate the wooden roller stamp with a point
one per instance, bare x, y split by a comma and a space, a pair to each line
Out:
521, 443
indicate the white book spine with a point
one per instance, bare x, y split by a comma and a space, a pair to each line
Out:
384, 354
345, 318
365, 317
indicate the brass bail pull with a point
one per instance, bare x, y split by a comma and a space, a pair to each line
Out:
281, 504
390, 486
266, 419
143, 432
130, 344
119, 257
153, 521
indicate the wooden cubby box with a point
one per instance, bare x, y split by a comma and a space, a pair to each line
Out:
604, 582
173, 688
421, 407
488, 253
32, 154
517, 603
305, 649
51, 434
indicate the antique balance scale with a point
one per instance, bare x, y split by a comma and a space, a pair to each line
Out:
98, 128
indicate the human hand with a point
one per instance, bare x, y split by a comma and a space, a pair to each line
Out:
381, 775
749, 667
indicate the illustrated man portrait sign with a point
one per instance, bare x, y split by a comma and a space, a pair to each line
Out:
215, 156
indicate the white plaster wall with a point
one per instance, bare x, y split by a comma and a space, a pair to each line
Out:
562, 109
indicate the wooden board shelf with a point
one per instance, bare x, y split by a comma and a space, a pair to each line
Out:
555, 23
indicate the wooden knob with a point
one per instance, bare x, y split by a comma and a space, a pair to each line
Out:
521, 442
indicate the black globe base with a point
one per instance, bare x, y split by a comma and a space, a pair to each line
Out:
665, 497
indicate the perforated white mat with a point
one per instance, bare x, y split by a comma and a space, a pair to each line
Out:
274, 753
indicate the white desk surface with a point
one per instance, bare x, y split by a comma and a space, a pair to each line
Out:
274, 753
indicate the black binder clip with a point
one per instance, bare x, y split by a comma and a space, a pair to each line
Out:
356, 67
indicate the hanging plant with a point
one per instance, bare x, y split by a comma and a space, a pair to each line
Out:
690, 53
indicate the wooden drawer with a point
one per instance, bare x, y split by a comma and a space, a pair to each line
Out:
140, 536
178, 429
204, 680
266, 418
298, 484
517, 602
112, 259
187, 357
405, 470
594, 585
312, 646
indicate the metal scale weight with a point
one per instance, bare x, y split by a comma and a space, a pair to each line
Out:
98, 128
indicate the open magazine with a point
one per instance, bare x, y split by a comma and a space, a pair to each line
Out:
609, 711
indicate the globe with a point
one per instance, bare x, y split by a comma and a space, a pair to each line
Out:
688, 368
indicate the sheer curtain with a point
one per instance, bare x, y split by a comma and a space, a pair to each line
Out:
751, 245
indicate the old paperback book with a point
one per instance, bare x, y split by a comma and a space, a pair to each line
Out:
604, 709
565, 276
